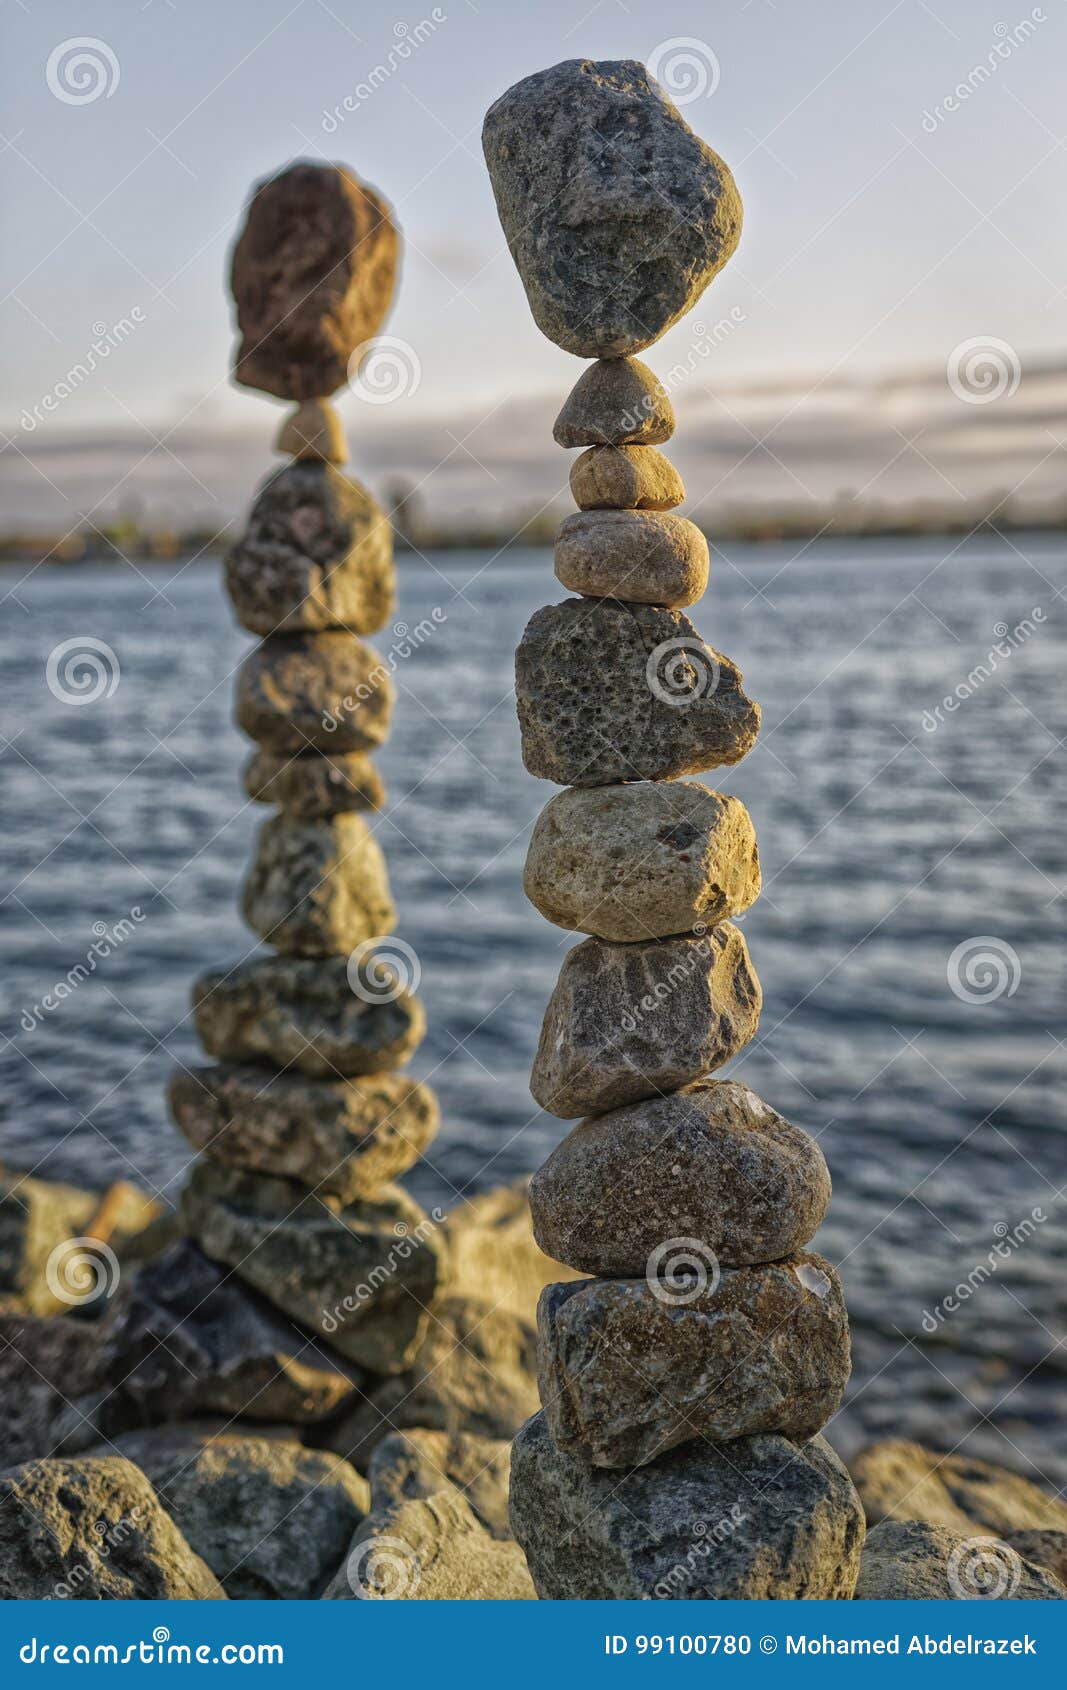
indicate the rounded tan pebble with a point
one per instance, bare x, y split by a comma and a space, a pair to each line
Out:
617, 402
311, 785
314, 692
314, 430
625, 478
638, 557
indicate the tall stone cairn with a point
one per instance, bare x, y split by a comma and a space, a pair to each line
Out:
677, 1452
303, 1118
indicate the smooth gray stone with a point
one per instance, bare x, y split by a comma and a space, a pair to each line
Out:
759, 1519
616, 213
646, 557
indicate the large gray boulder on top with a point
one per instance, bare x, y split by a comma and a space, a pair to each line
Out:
93, 1530
616, 214
755, 1520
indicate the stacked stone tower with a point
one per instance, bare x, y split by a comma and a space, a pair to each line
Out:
683, 1387
303, 1119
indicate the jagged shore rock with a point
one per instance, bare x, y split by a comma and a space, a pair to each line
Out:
311, 785
617, 215
51, 1369
362, 1275
615, 402
303, 1013
647, 860
493, 1255
271, 1519
317, 888
317, 553
325, 692
618, 692
312, 274
758, 1519
38, 1220
646, 557
625, 478
343, 1138
911, 1560
898, 1480
631, 1368
711, 1163
627, 1022
432, 1549
408, 1466
92, 1530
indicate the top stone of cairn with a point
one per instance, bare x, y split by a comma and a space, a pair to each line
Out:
616, 214
313, 274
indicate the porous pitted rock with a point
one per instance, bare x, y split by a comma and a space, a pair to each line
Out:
903, 1481
615, 402
910, 1560
49, 1369
302, 1013
186, 1337
1045, 1549
475, 1371
432, 1549
272, 1519
313, 432
617, 215
317, 888
314, 692
645, 860
633, 1021
311, 785
611, 692
760, 1519
317, 553
630, 1368
492, 1253
313, 273
711, 1163
342, 1138
625, 478
362, 1276
409, 1465
41, 1270
93, 1530
644, 557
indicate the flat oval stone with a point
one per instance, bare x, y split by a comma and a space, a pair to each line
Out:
711, 1162
616, 214
341, 1137
627, 1022
645, 860
760, 1519
615, 402
314, 431
302, 1013
625, 478
311, 785
610, 692
314, 692
317, 553
637, 556
317, 888
360, 1276
629, 1369
313, 274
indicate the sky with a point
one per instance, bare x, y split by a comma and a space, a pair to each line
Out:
903, 172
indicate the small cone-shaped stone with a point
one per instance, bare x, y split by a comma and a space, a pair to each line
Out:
617, 402
625, 478
314, 430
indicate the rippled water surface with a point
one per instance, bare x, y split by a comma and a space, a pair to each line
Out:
889, 839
